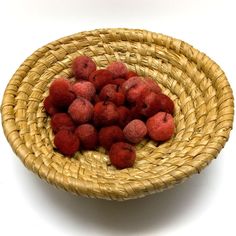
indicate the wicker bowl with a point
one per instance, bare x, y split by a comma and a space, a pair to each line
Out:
203, 115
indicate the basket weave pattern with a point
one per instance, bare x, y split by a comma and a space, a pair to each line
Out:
203, 113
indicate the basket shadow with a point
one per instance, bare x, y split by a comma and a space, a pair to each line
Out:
157, 211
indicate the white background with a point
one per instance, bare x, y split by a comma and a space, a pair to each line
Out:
203, 205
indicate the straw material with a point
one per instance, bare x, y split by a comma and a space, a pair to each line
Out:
201, 93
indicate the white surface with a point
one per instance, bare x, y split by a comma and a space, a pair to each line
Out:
203, 205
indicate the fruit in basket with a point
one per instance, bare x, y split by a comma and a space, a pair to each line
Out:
81, 110
110, 92
61, 94
109, 135
62, 121
118, 81
135, 131
87, 135
105, 114
152, 85
49, 107
130, 74
166, 104
160, 126
111, 107
125, 116
122, 155
118, 69
100, 78
149, 104
82, 67
133, 88
84, 89
66, 142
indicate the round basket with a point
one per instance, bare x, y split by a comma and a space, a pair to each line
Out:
203, 113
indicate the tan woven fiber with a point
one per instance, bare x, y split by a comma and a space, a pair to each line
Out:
203, 101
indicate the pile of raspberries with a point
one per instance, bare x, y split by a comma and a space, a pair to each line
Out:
112, 107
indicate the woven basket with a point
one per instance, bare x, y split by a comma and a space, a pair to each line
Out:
203, 115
